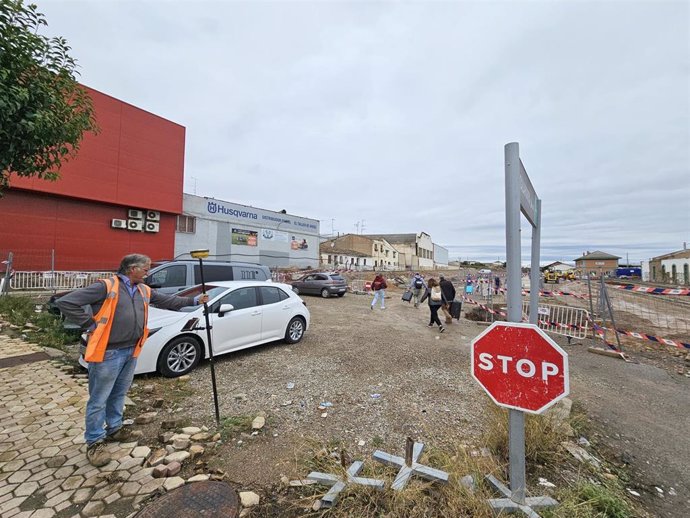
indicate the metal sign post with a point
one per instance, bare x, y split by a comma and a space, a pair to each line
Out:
201, 254
520, 198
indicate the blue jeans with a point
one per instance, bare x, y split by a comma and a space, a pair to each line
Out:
109, 382
377, 294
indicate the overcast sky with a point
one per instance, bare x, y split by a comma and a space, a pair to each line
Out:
396, 113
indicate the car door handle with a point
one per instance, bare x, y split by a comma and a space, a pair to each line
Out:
256, 313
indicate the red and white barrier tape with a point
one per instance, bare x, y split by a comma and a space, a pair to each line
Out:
652, 290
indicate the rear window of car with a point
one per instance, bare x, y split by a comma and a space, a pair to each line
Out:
271, 295
337, 277
214, 272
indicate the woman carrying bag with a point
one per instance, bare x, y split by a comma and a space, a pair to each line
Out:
436, 300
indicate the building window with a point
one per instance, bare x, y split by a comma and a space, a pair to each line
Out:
686, 274
673, 273
186, 224
376, 247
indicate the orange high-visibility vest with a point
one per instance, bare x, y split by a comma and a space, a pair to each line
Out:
98, 340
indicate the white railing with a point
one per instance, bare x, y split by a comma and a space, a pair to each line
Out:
561, 320
54, 280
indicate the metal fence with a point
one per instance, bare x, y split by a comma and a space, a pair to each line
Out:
667, 316
30, 281
563, 320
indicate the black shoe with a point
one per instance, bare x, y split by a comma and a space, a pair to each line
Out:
441, 329
430, 324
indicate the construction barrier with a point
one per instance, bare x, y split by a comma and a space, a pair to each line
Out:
61, 280
561, 320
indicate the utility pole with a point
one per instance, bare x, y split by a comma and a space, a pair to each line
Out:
332, 227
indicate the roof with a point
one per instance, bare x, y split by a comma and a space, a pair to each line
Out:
597, 255
394, 238
671, 255
556, 263
326, 248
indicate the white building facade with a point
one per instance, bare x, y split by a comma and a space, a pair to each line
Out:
234, 232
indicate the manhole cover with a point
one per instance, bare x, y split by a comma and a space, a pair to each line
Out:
194, 500
22, 359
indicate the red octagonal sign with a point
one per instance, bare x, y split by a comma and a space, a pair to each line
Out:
520, 367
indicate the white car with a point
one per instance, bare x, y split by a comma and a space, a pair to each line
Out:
242, 314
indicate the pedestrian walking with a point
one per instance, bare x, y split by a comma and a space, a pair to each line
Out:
435, 296
418, 287
497, 284
115, 336
379, 286
449, 296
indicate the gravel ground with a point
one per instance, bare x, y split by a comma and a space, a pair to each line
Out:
387, 376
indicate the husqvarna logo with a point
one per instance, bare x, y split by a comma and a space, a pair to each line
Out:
212, 207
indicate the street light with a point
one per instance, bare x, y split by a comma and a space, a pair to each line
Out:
201, 255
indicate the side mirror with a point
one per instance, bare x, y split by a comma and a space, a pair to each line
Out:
225, 308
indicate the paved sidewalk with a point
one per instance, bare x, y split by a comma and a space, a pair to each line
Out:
43, 468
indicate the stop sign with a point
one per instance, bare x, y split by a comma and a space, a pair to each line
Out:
520, 367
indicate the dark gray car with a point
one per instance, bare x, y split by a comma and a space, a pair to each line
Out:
320, 283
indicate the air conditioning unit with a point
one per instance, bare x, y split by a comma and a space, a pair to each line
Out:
153, 215
135, 214
135, 224
151, 226
118, 223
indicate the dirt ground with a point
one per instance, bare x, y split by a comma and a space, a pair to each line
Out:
384, 375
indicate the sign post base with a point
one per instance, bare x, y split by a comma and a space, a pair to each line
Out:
510, 506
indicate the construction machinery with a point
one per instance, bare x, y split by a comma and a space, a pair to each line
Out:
551, 276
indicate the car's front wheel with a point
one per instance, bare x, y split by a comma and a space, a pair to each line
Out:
295, 330
341, 294
179, 356
325, 293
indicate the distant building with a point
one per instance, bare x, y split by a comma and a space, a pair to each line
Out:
359, 252
558, 266
597, 264
416, 251
440, 256
672, 268
234, 232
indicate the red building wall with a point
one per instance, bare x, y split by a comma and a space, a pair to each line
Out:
136, 161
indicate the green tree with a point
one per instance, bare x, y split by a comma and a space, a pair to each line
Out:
44, 111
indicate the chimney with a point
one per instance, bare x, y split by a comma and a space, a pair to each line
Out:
685, 245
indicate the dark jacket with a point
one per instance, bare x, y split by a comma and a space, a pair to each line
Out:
128, 322
448, 290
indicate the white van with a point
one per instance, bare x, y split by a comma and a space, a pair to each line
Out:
177, 275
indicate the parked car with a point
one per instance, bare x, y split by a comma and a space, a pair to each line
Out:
242, 314
320, 283
175, 276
